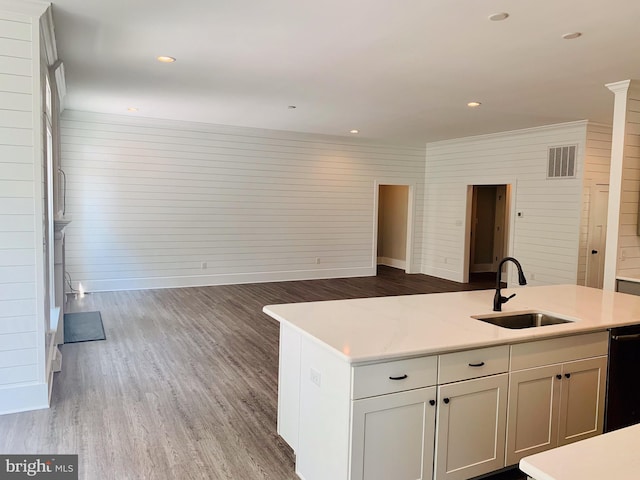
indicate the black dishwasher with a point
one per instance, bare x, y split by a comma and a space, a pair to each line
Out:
623, 381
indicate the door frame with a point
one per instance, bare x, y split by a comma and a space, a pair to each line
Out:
410, 220
510, 215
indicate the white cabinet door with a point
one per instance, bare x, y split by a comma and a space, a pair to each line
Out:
470, 428
582, 399
393, 435
534, 401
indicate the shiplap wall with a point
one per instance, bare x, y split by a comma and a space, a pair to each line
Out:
628, 239
545, 238
22, 382
153, 200
597, 162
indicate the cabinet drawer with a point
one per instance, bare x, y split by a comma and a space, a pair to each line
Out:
378, 378
473, 363
558, 350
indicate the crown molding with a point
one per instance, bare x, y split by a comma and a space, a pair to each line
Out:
541, 128
55, 65
619, 87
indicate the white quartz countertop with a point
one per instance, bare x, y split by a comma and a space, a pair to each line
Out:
382, 328
613, 455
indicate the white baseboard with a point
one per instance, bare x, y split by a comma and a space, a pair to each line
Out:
392, 262
225, 279
453, 275
22, 398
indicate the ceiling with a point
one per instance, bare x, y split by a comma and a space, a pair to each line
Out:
398, 71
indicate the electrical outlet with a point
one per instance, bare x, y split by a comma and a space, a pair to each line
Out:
317, 260
203, 265
315, 376
532, 276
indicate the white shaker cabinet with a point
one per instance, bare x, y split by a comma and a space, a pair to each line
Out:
470, 431
552, 405
393, 435
582, 399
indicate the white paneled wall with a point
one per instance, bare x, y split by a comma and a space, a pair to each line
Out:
162, 204
628, 238
544, 238
22, 382
597, 162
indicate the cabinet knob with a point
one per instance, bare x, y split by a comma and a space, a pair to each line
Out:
567, 375
401, 377
432, 402
446, 400
559, 377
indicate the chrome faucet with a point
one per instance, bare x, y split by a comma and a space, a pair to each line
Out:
498, 299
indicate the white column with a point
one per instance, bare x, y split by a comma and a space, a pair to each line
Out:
621, 180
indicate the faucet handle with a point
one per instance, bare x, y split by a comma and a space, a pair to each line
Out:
509, 297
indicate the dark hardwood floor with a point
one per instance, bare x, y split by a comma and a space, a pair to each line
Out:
185, 386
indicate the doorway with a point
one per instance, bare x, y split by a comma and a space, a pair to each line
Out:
488, 228
394, 219
597, 234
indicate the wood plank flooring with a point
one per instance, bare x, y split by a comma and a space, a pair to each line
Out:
185, 386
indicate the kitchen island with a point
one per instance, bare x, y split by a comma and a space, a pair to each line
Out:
613, 455
414, 387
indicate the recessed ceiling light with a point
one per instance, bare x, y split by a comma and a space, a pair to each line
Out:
354, 131
165, 59
292, 107
132, 109
572, 35
497, 17
473, 104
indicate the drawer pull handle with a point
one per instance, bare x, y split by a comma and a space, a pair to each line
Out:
481, 364
399, 378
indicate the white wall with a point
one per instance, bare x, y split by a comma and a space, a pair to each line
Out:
597, 163
151, 200
22, 382
545, 239
628, 239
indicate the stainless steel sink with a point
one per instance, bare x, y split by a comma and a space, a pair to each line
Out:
522, 320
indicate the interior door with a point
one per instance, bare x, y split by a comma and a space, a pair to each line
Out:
597, 235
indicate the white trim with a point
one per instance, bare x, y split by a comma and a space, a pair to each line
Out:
511, 192
22, 398
617, 87
224, 279
47, 30
508, 133
38, 233
620, 89
392, 262
49, 38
